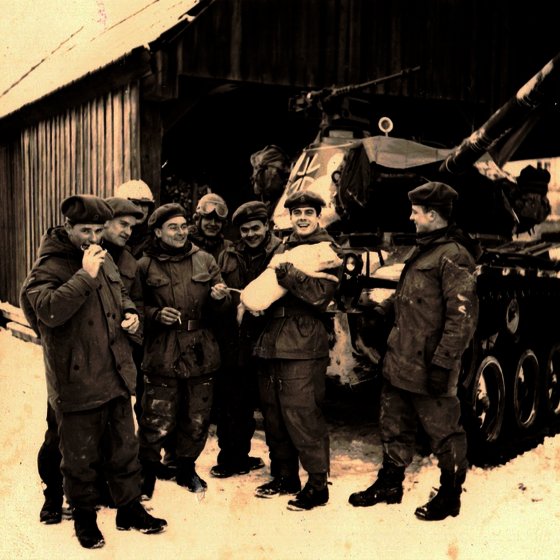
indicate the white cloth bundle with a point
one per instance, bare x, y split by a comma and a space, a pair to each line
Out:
310, 259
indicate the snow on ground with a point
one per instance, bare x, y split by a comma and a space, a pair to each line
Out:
509, 512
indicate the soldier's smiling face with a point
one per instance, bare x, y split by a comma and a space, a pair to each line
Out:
253, 233
423, 220
173, 232
305, 220
118, 230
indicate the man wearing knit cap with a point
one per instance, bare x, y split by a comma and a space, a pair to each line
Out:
236, 385
76, 300
434, 312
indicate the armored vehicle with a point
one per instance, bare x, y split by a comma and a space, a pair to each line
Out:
510, 378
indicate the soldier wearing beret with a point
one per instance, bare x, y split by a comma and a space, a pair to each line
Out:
76, 300
236, 386
294, 354
434, 313
182, 286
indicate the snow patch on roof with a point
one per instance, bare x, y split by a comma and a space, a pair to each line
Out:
92, 47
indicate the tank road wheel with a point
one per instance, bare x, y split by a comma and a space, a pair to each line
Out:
552, 381
489, 399
526, 390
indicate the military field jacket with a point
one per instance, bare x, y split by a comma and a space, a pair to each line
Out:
182, 282
237, 343
435, 311
300, 334
87, 354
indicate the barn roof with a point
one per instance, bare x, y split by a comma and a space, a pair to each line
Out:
89, 49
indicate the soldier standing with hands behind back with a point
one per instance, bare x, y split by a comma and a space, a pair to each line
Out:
84, 315
434, 311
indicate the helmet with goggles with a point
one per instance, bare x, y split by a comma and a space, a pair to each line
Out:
212, 203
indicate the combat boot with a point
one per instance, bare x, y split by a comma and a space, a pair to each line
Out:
147, 478
187, 476
51, 512
315, 493
386, 489
279, 485
447, 501
225, 470
134, 516
87, 531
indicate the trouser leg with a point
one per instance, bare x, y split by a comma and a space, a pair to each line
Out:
120, 449
234, 390
137, 356
282, 452
301, 391
194, 416
80, 436
398, 423
160, 405
49, 456
441, 418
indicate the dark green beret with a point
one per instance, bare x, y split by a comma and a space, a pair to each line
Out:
305, 199
86, 209
433, 194
124, 207
254, 210
164, 213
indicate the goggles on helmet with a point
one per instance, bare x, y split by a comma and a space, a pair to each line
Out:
208, 207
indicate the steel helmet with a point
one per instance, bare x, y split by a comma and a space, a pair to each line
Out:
212, 202
136, 191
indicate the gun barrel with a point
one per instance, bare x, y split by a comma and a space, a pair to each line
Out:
337, 92
509, 115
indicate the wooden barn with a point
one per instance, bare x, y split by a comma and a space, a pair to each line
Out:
188, 90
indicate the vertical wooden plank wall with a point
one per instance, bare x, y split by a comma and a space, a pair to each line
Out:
91, 148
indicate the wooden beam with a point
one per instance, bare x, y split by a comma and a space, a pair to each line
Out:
151, 134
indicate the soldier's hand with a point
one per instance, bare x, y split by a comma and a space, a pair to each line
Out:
131, 323
438, 380
219, 291
94, 256
168, 316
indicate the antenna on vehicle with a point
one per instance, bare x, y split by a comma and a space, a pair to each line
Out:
385, 124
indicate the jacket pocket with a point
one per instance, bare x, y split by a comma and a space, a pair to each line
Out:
157, 281
305, 325
202, 278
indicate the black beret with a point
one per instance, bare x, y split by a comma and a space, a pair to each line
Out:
164, 213
304, 199
254, 210
86, 209
124, 207
433, 194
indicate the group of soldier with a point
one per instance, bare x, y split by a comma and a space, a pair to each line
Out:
128, 299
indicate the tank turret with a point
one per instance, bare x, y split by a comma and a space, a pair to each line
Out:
509, 385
